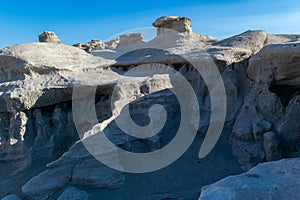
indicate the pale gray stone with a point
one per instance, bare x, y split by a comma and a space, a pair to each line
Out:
272, 180
72, 193
11, 197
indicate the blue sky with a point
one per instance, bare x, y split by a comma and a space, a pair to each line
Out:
81, 21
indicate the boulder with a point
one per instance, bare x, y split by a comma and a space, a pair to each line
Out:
272, 180
276, 65
252, 41
11, 197
49, 36
72, 193
46, 184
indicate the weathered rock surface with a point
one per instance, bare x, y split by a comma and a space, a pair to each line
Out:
38, 81
33, 71
35, 104
179, 41
289, 128
44, 185
272, 180
49, 36
272, 146
77, 164
179, 24
92, 45
252, 41
133, 40
72, 193
277, 65
269, 107
11, 197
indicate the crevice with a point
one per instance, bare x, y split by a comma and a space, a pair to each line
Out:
285, 93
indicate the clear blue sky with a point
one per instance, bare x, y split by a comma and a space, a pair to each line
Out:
80, 21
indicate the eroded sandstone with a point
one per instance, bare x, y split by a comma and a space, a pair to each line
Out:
260, 73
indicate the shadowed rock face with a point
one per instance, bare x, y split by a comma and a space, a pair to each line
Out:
37, 80
11, 197
269, 108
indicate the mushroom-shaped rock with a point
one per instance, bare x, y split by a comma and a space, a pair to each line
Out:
179, 24
49, 36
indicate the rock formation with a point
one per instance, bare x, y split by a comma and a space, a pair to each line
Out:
49, 36
92, 45
273, 180
42, 149
123, 41
11, 197
273, 70
179, 24
74, 194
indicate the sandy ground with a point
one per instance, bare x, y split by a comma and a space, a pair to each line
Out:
181, 180
11, 183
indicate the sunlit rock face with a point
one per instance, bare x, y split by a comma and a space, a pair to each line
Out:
49, 36
43, 156
179, 24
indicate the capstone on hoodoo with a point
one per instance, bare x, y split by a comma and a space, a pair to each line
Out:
166, 23
49, 36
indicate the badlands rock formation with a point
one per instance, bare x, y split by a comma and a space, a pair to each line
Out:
49, 36
273, 180
46, 87
134, 39
11, 197
92, 45
179, 24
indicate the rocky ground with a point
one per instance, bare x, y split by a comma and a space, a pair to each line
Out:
45, 125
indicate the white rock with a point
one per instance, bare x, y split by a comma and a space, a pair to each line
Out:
179, 24
11, 197
72, 193
276, 65
273, 180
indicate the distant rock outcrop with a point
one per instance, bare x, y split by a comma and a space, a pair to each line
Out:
179, 24
49, 36
92, 45
122, 41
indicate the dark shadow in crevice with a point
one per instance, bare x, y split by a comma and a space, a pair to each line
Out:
285, 93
